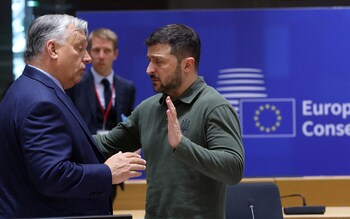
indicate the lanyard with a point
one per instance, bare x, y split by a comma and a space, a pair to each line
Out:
105, 112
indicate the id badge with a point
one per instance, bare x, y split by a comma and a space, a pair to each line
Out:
102, 132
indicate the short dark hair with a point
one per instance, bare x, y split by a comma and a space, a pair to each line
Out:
184, 41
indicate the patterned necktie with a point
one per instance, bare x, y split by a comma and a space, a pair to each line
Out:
106, 92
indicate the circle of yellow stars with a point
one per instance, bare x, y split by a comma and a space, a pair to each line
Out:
278, 118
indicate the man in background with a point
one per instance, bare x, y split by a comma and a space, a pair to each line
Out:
103, 98
50, 165
190, 135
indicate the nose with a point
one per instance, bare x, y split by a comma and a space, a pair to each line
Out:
86, 58
150, 69
101, 54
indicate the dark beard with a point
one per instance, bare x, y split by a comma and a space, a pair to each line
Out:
174, 83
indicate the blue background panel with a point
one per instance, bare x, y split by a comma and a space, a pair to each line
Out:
299, 54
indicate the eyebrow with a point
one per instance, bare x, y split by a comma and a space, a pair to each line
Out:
158, 55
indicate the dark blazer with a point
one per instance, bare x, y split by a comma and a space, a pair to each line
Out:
84, 98
49, 163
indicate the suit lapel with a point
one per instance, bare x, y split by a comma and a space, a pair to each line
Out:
91, 95
39, 76
118, 98
65, 99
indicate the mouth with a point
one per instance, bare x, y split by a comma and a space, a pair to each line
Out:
154, 78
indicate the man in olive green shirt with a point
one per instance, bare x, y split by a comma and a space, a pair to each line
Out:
190, 135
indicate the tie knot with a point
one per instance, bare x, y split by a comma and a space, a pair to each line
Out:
105, 83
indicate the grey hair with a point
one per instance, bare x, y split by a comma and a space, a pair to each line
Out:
50, 27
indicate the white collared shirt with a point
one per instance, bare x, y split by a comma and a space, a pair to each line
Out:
99, 86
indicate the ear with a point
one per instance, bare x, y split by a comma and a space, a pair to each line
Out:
188, 64
116, 53
52, 47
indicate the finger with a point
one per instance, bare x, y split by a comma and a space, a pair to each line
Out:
137, 151
171, 117
137, 161
134, 174
169, 103
119, 152
137, 167
131, 155
171, 106
172, 121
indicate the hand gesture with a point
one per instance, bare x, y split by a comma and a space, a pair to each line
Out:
174, 131
125, 165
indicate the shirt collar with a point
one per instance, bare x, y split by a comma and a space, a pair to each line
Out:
50, 76
98, 78
189, 95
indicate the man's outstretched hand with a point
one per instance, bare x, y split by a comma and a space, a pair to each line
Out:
125, 166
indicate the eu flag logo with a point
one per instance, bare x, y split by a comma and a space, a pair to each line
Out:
268, 117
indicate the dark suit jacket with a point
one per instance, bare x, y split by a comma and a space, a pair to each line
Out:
49, 163
84, 98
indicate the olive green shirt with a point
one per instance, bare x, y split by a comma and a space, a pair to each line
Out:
188, 182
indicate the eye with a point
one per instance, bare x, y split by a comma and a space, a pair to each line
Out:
107, 51
95, 50
158, 61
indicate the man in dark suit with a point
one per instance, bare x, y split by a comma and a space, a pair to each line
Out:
103, 111
50, 165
